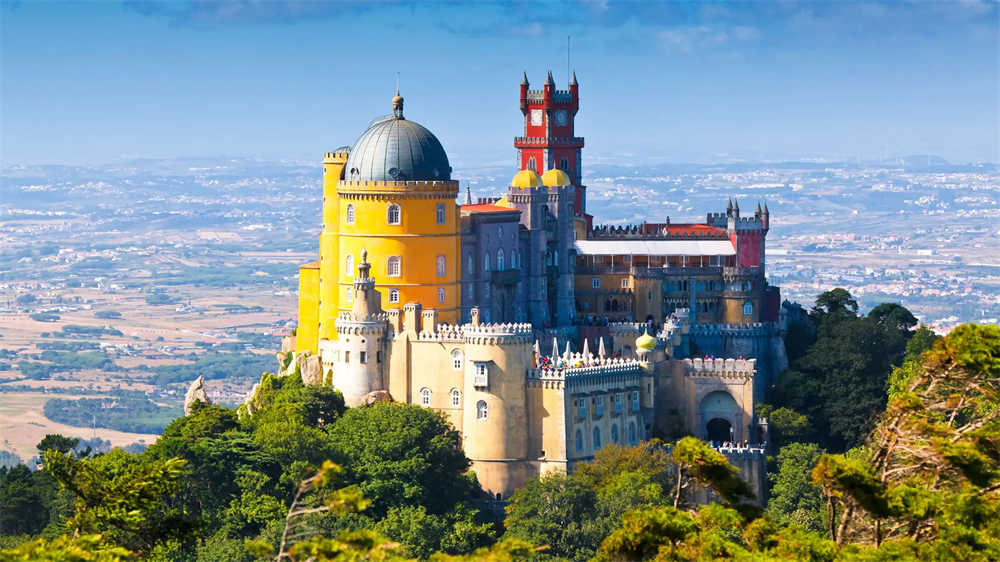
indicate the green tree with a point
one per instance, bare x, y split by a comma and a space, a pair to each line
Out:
794, 499
835, 303
401, 454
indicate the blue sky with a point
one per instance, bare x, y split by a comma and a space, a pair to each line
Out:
90, 83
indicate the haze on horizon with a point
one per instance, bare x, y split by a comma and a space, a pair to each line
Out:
701, 82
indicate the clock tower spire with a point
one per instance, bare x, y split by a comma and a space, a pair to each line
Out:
549, 139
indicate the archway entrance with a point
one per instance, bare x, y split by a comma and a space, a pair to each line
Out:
719, 430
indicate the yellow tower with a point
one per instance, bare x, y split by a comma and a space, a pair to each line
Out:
396, 200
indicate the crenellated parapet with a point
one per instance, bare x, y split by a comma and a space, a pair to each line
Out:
579, 365
654, 232
721, 368
741, 330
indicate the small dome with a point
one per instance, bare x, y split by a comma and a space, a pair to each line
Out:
555, 178
525, 178
396, 149
645, 342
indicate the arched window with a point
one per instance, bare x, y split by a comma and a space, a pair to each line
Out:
349, 265
486, 262
532, 164
440, 213
456, 398
564, 164
472, 264
747, 308
456, 359
392, 214
425, 397
500, 259
614, 433
514, 256
350, 213
394, 266
633, 439
440, 264
440, 294
393, 296
579, 440
482, 410
597, 438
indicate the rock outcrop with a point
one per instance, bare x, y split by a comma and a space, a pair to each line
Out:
195, 393
376, 396
310, 369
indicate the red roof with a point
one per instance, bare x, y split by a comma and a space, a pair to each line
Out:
486, 208
691, 229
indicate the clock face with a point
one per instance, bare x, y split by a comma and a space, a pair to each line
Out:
562, 117
536, 116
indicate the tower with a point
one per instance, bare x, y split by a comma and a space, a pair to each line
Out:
360, 356
549, 130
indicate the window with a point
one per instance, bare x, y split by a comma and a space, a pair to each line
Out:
392, 214
393, 267
748, 308
378, 356
349, 294
581, 409
564, 164
618, 404
599, 406
595, 282
500, 259
456, 398
614, 433
597, 438
347, 357
350, 213
394, 296
532, 164
440, 264
440, 294
579, 440
635, 401
440, 213
625, 283
515, 258
456, 359
363, 357
486, 262
633, 439
482, 410
481, 377
472, 264
425, 397
349, 265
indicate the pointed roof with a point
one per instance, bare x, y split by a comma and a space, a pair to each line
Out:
600, 348
524, 78
729, 207
555, 348
572, 81
586, 348
758, 207
569, 352
736, 205
765, 207
549, 80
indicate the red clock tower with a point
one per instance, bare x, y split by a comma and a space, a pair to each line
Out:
549, 140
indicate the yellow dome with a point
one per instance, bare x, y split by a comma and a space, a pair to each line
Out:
645, 342
555, 178
525, 178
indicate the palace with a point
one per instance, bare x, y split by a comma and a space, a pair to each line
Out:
539, 334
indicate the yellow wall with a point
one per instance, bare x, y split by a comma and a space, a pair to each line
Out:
418, 240
333, 166
307, 332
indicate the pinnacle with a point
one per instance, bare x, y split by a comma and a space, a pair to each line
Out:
524, 78
572, 81
549, 80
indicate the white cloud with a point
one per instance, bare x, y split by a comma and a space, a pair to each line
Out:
694, 38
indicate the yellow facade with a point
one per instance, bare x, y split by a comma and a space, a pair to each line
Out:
417, 239
329, 248
307, 334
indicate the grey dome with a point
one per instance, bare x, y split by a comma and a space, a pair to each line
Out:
395, 149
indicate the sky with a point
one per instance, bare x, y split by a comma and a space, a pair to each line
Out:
96, 83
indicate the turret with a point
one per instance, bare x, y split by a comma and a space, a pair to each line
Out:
765, 218
524, 93
550, 88
358, 361
574, 90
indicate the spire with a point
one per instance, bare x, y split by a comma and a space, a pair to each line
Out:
537, 350
549, 81
468, 195
555, 348
586, 348
524, 78
364, 266
572, 81
600, 348
736, 206
729, 207
757, 211
569, 352
765, 207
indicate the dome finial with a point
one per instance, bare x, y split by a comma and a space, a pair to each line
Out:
397, 102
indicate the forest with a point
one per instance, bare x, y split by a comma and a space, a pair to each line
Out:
886, 446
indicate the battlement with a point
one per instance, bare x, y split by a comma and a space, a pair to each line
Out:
397, 186
626, 328
499, 333
336, 157
725, 368
573, 365
650, 232
571, 142
538, 96
750, 329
